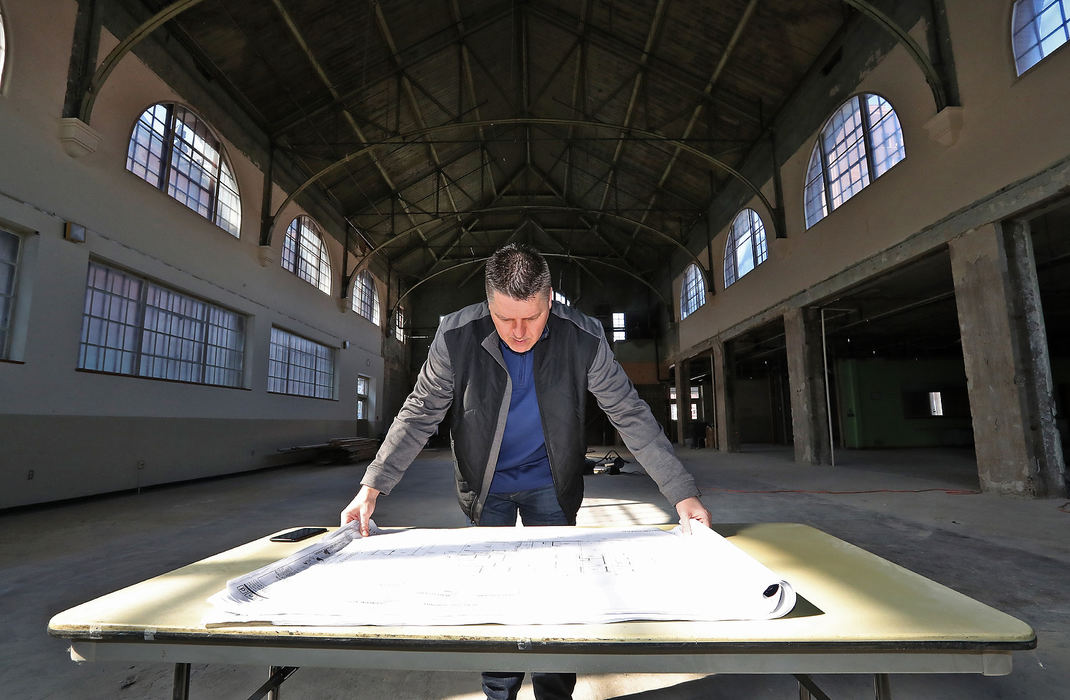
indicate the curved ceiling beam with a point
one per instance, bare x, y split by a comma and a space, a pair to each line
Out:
124, 47
542, 207
932, 76
545, 255
412, 137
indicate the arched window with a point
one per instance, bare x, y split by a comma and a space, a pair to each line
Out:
3, 47
305, 255
1038, 27
173, 150
692, 293
365, 297
858, 144
746, 246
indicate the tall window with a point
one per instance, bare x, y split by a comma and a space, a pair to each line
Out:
619, 332
173, 150
3, 47
1038, 28
133, 326
399, 324
561, 298
692, 293
674, 413
363, 390
858, 144
305, 255
746, 246
9, 265
299, 366
365, 297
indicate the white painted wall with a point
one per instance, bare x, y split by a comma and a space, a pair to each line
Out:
80, 432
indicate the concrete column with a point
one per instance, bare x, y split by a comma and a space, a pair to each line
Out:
723, 371
806, 382
1005, 351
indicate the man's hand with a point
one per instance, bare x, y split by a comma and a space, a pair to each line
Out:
361, 508
692, 508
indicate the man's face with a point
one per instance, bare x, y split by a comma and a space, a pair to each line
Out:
519, 322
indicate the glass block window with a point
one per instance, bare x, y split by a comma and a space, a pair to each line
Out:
692, 293
305, 255
299, 366
859, 143
363, 390
618, 326
745, 248
561, 298
399, 324
10, 244
365, 297
173, 150
133, 326
1038, 27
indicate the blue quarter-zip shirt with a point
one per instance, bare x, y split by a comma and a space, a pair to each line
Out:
522, 460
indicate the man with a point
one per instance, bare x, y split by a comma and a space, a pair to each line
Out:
516, 368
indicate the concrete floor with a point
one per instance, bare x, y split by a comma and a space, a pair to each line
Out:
1011, 553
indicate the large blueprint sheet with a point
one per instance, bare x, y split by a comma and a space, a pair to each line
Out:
525, 575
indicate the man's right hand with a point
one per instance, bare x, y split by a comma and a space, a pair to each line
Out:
361, 508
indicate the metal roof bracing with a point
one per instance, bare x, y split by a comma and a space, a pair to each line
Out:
599, 130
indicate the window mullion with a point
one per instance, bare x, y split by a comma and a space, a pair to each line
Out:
866, 139
827, 188
204, 344
168, 149
213, 196
139, 342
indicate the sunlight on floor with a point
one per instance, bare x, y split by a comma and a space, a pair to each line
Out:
598, 686
617, 511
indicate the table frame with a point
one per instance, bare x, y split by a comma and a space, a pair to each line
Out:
508, 648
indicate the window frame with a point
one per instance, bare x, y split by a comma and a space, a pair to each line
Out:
10, 298
359, 297
288, 380
399, 324
363, 398
163, 178
692, 288
759, 250
3, 49
137, 356
296, 258
1033, 26
619, 330
865, 142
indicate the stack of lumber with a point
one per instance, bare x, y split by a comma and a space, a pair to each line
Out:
339, 450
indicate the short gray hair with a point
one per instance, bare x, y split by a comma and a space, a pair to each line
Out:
518, 271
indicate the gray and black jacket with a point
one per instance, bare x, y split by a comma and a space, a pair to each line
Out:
465, 367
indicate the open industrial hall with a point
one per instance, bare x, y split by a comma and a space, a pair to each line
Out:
827, 242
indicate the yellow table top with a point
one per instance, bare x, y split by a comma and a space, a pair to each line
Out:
849, 601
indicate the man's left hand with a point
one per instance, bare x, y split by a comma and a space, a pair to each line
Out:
692, 508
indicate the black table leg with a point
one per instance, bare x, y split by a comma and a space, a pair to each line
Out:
882, 686
180, 689
808, 690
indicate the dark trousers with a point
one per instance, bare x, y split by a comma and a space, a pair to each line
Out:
536, 507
